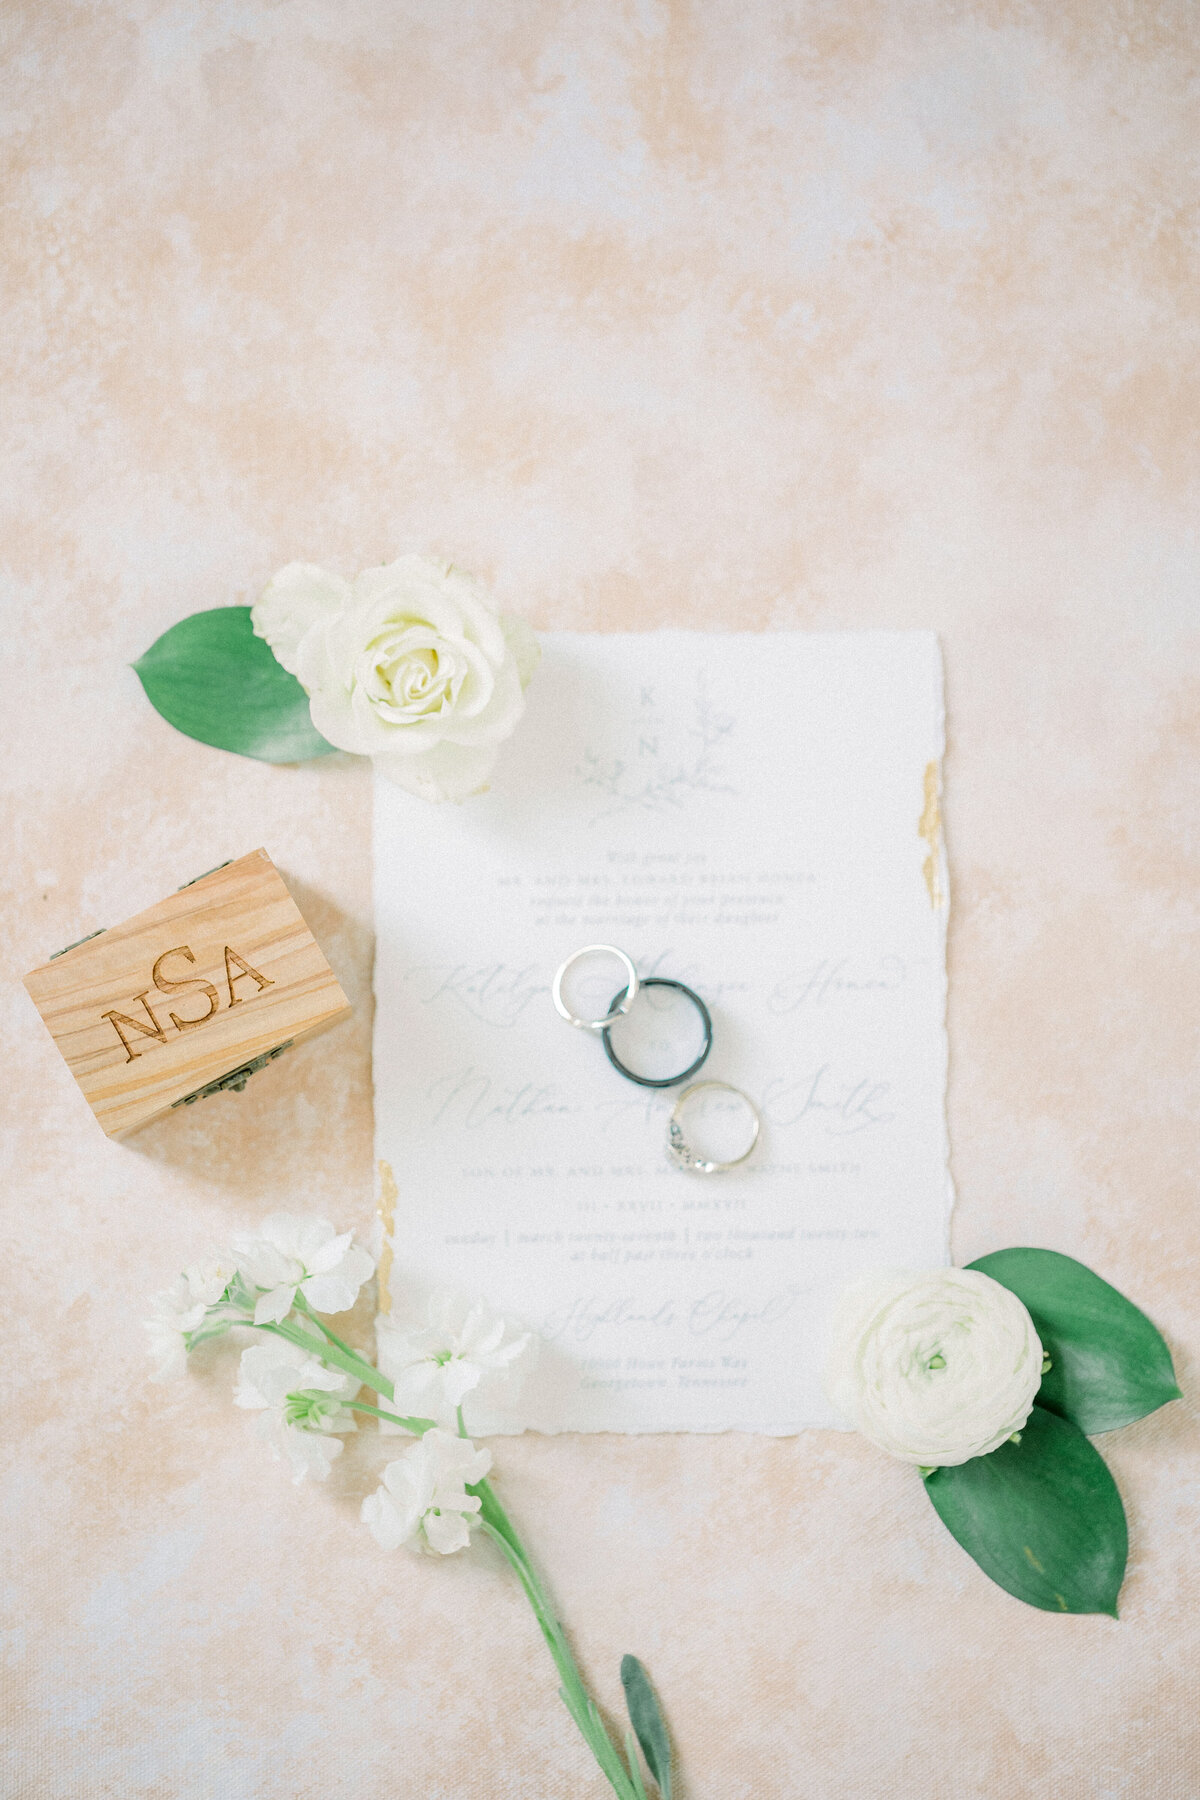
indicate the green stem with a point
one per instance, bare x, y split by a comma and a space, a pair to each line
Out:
497, 1525
301, 1305
348, 1361
575, 1697
417, 1426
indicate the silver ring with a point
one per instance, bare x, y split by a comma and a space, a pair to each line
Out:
627, 998
680, 1152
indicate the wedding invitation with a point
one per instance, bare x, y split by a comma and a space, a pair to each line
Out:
755, 815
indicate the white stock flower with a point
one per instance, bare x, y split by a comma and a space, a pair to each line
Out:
935, 1368
423, 1503
180, 1310
301, 1401
409, 664
460, 1351
287, 1255
209, 1279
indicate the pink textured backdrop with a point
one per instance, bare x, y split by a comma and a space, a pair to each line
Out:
834, 314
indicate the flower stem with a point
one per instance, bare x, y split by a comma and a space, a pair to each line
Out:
418, 1426
343, 1358
302, 1306
495, 1522
575, 1697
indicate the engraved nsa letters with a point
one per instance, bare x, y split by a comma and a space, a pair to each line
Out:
152, 1027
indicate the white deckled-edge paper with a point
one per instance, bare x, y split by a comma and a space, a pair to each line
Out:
756, 815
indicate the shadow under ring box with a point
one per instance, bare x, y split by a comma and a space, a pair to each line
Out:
188, 998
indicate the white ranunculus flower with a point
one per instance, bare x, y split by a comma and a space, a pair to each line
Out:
301, 1402
287, 1255
935, 1368
460, 1351
409, 664
423, 1503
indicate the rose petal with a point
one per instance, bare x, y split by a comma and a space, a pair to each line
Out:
444, 772
293, 601
495, 722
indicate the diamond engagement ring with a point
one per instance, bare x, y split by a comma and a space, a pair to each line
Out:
679, 1148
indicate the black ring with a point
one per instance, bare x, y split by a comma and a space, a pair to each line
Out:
649, 981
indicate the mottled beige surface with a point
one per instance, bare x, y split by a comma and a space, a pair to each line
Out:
737, 313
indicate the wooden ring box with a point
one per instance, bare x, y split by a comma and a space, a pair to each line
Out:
188, 998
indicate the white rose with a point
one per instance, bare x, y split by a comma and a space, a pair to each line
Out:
935, 1368
409, 664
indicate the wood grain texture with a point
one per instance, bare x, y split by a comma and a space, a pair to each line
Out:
150, 1010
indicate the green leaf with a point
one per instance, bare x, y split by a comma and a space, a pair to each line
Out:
212, 679
648, 1722
1108, 1364
1042, 1517
635, 1767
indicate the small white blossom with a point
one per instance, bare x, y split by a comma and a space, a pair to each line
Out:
180, 1310
288, 1254
209, 1279
176, 1313
302, 1404
935, 1368
423, 1503
460, 1351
